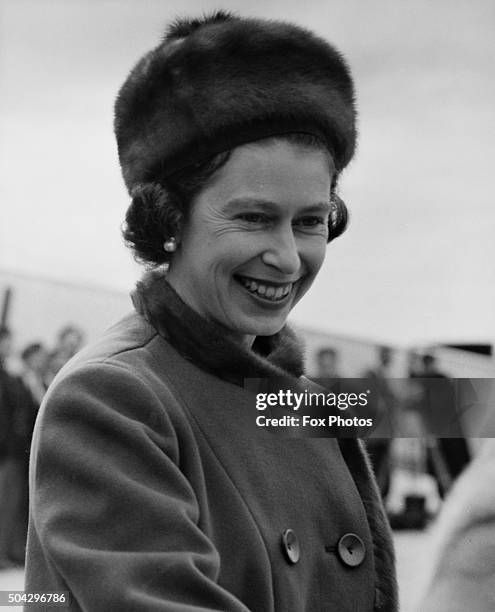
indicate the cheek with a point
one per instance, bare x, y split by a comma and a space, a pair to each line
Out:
315, 256
219, 260
237, 248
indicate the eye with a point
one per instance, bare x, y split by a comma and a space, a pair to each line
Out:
310, 222
253, 217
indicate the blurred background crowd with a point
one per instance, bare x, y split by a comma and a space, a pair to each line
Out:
24, 378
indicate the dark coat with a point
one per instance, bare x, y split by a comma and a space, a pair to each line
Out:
7, 383
17, 416
151, 491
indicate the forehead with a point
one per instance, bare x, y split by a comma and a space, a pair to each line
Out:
275, 170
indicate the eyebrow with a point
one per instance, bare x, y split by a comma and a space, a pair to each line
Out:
269, 206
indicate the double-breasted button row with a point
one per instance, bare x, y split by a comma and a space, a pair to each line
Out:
350, 548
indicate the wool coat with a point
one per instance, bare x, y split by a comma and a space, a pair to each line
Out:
152, 490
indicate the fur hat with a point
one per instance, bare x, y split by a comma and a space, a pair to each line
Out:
221, 81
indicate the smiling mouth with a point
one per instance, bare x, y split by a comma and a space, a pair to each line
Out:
268, 291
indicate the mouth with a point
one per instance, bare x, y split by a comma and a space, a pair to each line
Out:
265, 290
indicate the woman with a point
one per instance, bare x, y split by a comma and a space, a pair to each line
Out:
150, 490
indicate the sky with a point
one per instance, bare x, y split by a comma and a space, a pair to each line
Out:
417, 263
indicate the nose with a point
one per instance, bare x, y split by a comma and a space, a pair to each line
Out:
283, 252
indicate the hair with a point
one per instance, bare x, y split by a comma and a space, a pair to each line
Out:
69, 329
159, 209
428, 360
5, 332
327, 350
30, 350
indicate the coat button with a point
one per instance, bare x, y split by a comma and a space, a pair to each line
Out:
351, 550
290, 546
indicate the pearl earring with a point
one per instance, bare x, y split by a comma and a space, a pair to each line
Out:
170, 245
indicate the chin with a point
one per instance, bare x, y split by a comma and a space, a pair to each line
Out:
263, 328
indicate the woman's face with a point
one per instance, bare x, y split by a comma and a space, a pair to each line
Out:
256, 237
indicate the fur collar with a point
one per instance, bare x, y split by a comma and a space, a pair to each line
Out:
206, 344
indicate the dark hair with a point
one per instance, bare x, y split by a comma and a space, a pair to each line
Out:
30, 350
327, 350
159, 209
428, 359
5, 332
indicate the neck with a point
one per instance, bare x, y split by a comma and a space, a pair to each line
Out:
245, 340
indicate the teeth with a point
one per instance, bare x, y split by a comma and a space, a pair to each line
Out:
267, 291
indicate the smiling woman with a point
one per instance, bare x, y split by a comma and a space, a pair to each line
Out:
150, 488
271, 203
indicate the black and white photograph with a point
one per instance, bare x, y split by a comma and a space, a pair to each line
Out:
247, 306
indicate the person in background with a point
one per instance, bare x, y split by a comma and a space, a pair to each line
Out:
34, 359
15, 404
6, 406
414, 364
412, 498
448, 456
55, 361
327, 363
6, 410
70, 340
5, 345
384, 407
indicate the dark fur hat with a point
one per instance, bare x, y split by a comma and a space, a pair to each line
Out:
222, 81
